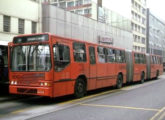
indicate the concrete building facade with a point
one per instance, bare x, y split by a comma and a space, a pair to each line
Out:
19, 17
135, 10
155, 35
67, 24
138, 12
87, 8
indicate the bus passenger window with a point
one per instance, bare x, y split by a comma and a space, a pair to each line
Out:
92, 55
118, 56
101, 54
140, 58
61, 56
110, 55
79, 52
123, 56
137, 58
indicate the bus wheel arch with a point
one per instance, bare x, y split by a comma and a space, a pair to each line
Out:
119, 82
80, 87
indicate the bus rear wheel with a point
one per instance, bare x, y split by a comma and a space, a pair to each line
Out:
80, 88
119, 83
142, 78
157, 74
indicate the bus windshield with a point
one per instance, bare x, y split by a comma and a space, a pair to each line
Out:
31, 58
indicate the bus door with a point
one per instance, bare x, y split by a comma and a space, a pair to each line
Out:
92, 68
62, 78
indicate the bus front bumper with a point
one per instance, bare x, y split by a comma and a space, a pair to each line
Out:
26, 90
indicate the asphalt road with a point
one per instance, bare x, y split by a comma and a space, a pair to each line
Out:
136, 102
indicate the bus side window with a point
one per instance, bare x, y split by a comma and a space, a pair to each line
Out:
141, 60
118, 56
137, 60
144, 57
61, 56
123, 56
79, 52
110, 55
101, 54
92, 55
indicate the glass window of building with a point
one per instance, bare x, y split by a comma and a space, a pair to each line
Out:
70, 4
87, 11
21, 26
34, 27
6, 23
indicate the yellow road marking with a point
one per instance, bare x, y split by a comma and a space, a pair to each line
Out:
120, 107
162, 116
22, 110
91, 96
67, 102
158, 113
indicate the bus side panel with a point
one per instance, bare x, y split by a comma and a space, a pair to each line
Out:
112, 73
63, 88
101, 75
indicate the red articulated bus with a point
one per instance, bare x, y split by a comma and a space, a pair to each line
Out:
49, 65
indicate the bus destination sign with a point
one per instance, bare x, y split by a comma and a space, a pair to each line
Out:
34, 38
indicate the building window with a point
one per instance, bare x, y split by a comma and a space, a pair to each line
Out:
87, 11
143, 40
6, 23
34, 27
21, 26
144, 11
79, 12
143, 31
87, 1
62, 5
70, 4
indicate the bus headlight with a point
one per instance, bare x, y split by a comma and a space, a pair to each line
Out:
42, 84
15, 83
12, 82
46, 84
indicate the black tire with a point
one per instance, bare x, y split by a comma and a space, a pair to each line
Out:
157, 75
142, 78
80, 88
119, 82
